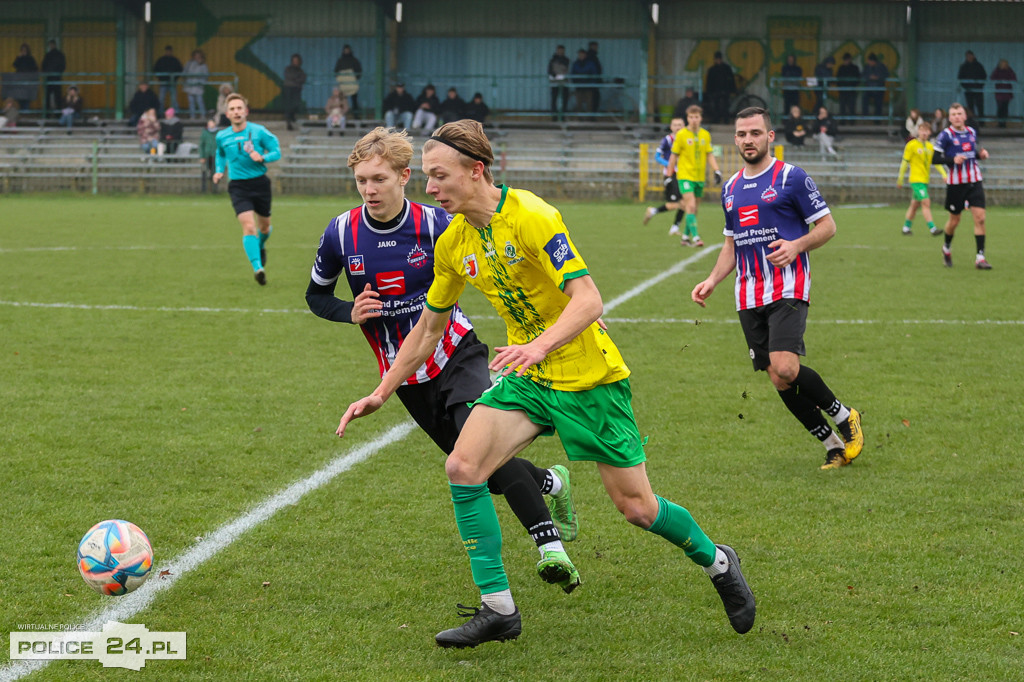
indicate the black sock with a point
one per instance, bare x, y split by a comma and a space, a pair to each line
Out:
517, 481
662, 209
679, 217
948, 237
806, 412
979, 240
813, 387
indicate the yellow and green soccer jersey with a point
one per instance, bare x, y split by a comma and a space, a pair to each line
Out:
918, 156
692, 151
521, 261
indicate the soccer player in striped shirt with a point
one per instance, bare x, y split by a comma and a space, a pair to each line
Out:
769, 208
918, 157
960, 151
246, 148
385, 250
559, 372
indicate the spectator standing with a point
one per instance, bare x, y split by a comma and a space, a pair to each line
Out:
827, 130
347, 72
595, 99
427, 105
167, 69
54, 65
71, 108
939, 121
688, 99
452, 107
196, 74
25, 63
558, 72
294, 79
795, 128
972, 79
581, 72
142, 101
222, 105
148, 130
1004, 78
792, 75
848, 80
476, 109
208, 152
719, 87
875, 75
171, 132
823, 74
914, 119
336, 108
399, 107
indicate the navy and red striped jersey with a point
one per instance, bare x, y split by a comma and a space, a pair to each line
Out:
952, 142
779, 203
398, 264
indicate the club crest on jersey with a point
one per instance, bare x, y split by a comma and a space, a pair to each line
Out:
748, 216
417, 257
728, 202
469, 262
967, 146
769, 195
391, 283
356, 265
809, 184
510, 253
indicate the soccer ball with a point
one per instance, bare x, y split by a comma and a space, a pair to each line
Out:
115, 557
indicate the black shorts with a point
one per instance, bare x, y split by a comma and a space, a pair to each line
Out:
440, 406
672, 190
968, 194
778, 326
251, 194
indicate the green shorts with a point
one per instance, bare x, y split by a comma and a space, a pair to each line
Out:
920, 190
595, 425
690, 186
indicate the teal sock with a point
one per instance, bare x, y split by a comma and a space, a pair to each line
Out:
931, 224
677, 526
481, 535
266, 236
691, 224
251, 244
907, 223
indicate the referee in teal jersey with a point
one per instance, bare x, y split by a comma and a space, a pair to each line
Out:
247, 148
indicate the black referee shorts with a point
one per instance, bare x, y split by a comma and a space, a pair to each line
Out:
778, 326
672, 190
964, 195
440, 406
251, 194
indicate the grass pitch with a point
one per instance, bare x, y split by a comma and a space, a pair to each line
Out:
146, 376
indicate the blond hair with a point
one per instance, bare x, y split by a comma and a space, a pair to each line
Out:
466, 137
392, 146
234, 96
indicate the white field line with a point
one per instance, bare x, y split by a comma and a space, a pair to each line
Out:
126, 607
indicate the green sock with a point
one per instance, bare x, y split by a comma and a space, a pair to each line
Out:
251, 244
677, 526
265, 237
481, 535
931, 224
691, 224
907, 223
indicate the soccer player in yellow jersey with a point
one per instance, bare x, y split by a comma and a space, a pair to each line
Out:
691, 155
559, 371
917, 156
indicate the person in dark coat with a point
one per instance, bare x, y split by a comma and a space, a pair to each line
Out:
54, 65
142, 101
972, 77
793, 74
848, 78
347, 71
166, 68
719, 87
476, 109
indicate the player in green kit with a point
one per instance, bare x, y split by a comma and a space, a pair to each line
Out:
560, 371
246, 148
918, 156
692, 153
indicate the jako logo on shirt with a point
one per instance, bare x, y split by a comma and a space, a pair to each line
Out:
469, 262
391, 283
769, 195
356, 266
558, 250
748, 216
